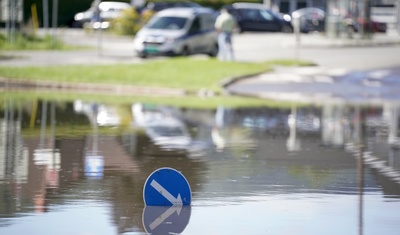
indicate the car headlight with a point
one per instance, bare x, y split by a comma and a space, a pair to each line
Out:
78, 16
287, 17
138, 39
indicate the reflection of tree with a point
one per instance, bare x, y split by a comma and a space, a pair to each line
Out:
316, 177
127, 201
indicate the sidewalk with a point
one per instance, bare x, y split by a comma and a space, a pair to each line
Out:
391, 37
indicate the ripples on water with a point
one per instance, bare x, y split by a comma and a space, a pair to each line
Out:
308, 170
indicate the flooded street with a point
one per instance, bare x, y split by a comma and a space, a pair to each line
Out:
80, 168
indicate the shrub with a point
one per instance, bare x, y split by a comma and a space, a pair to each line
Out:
30, 42
128, 23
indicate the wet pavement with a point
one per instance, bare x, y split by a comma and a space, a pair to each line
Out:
311, 85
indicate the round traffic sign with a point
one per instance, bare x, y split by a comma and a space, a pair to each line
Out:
166, 186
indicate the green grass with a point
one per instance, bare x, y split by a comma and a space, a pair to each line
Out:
190, 74
173, 73
20, 42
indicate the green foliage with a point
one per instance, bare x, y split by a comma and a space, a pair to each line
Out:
31, 42
128, 23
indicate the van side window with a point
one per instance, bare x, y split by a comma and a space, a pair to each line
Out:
195, 27
207, 22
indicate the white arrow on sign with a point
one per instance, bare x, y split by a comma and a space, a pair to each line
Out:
160, 219
166, 194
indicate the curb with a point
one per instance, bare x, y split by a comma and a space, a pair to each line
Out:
8, 84
228, 81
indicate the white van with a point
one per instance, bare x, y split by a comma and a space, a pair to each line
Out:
178, 31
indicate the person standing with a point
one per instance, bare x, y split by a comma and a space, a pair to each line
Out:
225, 24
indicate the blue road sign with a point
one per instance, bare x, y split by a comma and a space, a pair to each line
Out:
165, 187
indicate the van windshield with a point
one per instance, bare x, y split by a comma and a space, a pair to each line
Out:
167, 22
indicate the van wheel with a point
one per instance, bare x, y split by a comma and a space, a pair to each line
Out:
185, 51
142, 55
214, 51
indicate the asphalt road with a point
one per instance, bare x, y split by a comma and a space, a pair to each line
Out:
328, 54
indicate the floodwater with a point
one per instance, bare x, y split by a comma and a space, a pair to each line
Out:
80, 168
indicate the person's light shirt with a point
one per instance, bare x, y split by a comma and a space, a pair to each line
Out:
225, 22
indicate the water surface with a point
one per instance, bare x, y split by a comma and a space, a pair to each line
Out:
80, 168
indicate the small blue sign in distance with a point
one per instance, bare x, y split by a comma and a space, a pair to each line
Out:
165, 187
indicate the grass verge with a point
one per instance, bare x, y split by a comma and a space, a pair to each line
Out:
23, 42
190, 74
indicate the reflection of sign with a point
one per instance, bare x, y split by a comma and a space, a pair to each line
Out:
50, 158
166, 220
94, 166
165, 187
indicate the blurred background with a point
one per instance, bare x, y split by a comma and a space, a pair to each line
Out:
365, 16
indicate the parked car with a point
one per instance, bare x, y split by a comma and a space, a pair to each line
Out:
257, 17
178, 31
357, 24
107, 12
311, 19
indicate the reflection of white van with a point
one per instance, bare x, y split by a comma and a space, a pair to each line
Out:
178, 31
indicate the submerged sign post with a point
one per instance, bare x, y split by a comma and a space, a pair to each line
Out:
165, 187
167, 196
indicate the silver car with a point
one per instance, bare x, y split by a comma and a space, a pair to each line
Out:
178, 31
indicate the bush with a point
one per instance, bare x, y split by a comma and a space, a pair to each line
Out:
128, 23
30, 42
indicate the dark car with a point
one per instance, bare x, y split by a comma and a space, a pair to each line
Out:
357, 24
311, 19
257, 17
159, 6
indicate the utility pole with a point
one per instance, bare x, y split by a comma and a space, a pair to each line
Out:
55, 20
367, 27
11, 14
45, 14
55, 14
267, 3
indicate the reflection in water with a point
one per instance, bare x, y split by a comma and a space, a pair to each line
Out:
162, 125
166, 220
71, 162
